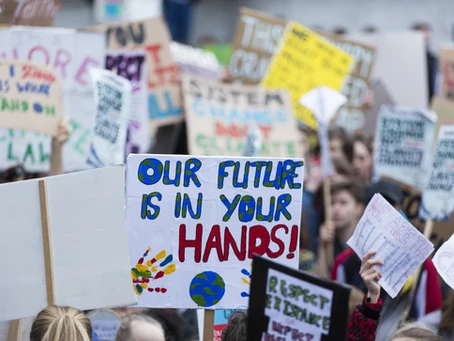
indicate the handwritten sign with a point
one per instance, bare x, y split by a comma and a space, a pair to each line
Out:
320, 64
398, 243
113, 105
257, 38
447, 70
30, 97
71, 54
403, 144
151, 35
286, 304
444, 261
219, 117
194, 225
29, 12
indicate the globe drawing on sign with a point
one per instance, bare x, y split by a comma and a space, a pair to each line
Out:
207, 289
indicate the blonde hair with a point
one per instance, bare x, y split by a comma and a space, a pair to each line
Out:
124, 332
418, 333
56, 323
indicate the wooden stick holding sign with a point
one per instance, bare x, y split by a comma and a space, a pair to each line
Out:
324, 102
208, 325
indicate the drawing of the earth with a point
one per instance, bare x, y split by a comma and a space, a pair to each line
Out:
207, 289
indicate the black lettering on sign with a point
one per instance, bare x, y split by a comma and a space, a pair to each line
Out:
129, 34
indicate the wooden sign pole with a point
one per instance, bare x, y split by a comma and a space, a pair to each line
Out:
328, 217
14, 330
208, 325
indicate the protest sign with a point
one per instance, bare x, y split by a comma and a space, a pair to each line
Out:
352, 117
151, 35
444, 261
196, 62
194, 225
403, 144
87, 253
445, 111
105, 324
70, 54
438, 196
31, 97
256, 40
398, 243
29, 12
219, 117
286, 304
320, 64
381, 97
113, 106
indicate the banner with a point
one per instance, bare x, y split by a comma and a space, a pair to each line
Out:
29, 12
71, 54
219, 116
151, 35
256, 40
131, 65
403, 144
113, 106
320, 64
352, 117
286, 304
447, 71
194, 224
89, 249
31, 97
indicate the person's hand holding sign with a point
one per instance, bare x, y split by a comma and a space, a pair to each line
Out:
370, 275
63, 134
327, 232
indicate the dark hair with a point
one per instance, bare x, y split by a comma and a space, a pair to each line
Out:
421, 26
236, 329
171, 322
13, 173
351, 187
343, 167
367, 141
340, 134
417, 333
446, 325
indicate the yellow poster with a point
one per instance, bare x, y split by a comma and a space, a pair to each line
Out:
305, 61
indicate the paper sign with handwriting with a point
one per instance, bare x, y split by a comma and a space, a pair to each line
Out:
305, 61
220, 116
403, 144
194, 224
444, 261
398, 243
31, 97
113, 106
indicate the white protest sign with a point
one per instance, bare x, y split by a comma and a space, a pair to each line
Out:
71, 54
132, 66
444, 261
396, 242
88, 247
403, 144
105, 324
438, 197
113, 105
195, 222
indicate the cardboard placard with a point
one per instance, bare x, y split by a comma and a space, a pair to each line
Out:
71, 54
321, 64
31, 97
256, 40
151, 35
195, 222
351, 116
290, 304
113, 107
29, 12
403, 144
219, 117
89, 250
447, 71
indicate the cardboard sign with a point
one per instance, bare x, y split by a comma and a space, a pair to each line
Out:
89, 250
131, 65
403, 144
196, 62
438, 196
113, 106
71, 54
219, 117
320, 64
30, 96
151, 35
29, 12
352, 117
195, 222
447, 71
398, 243
286, 304
105, 324
256, 40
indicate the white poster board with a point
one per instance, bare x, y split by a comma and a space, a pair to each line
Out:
88, 243
194, 224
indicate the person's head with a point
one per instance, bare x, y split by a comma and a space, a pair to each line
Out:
140, 328
171, 322
340, 145
414, 333
356, 298
12, 174
425, 29
340, 31
388, 190
362, 159
346, 204
446, 325
56, 323
236, 329
369, 29
343, 170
